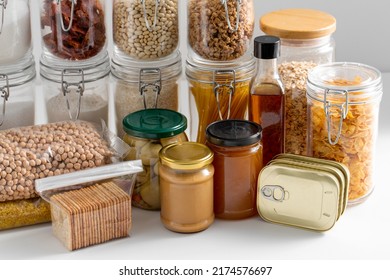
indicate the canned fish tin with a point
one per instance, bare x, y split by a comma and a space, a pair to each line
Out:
302, 192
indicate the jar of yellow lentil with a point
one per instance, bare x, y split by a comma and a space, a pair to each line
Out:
217, 91
343, 109
147, 132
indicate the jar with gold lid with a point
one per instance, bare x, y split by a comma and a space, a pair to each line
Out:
343, 109
186, 186
147, 132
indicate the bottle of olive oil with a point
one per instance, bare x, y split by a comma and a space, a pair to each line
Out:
267, 99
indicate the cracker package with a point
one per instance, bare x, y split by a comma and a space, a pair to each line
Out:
91, 206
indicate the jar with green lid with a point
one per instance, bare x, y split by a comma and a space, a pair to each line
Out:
306, 41
217, 91
147, 132
343, 110
186, 186
237, 161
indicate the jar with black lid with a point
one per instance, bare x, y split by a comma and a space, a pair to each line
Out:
237, 161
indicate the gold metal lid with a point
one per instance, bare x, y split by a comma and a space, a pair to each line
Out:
186, 155
298, 24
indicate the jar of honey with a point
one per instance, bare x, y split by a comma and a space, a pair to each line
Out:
186, 187
237, 161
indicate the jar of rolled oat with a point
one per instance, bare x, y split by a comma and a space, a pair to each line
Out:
220, 30
306, 41
343, 109
73, 91
145, 84
147, 132
17, 93
217, 91
145, 29
73, 29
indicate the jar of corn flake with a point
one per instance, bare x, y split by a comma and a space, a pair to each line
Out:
343, 109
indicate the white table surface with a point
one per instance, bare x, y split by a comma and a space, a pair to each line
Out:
361, 233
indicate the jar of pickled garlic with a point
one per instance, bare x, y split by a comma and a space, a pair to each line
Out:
186, 186
217, 91
147, 132
343, 110
237, 161
306, 37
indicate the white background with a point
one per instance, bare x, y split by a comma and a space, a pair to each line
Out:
362, 232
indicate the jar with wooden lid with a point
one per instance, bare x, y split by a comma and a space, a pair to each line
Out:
220, 30
306, 41
186, 186
237, 161
343, 110
147, 132
217, 91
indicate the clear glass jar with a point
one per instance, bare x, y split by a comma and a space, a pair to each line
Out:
217, 90
220, 30
15, 31
186, 185
75, 91
237, 161
17, 94
306, 41
147, 132
343, 110
145, 84
146, 29
73, 29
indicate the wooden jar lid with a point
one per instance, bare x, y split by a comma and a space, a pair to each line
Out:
298, 24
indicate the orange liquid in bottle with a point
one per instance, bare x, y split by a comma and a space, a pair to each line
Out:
266, 107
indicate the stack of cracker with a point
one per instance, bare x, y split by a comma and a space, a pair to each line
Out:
91, 215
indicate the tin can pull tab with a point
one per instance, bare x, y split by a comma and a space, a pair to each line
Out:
74, 2
4, 91
148, 26
334, 111
224, 88
66, 89
274, 193
150, 78
238, 7
3, 6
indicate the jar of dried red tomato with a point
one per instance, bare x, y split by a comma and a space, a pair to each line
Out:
237, 161
73, 29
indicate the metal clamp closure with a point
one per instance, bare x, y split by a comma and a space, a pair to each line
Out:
3, 6
150, 28
221, 88
66, 89
4, 91
343, 109
146, 81
66, 29
238, 7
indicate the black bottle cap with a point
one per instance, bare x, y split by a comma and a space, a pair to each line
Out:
267, 47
